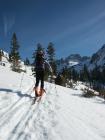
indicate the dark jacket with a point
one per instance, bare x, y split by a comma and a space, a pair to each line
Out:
41, 64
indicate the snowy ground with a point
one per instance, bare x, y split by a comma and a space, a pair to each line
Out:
62, 113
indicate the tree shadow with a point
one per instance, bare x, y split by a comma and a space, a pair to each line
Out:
102, 102
78, 95
97, 100
19, 93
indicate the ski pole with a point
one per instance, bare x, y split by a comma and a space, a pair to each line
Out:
21, 80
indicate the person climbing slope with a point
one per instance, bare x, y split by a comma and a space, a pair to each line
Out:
40, 65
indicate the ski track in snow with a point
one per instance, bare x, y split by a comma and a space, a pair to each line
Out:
45, 120
62, 114
87, 122
24, 119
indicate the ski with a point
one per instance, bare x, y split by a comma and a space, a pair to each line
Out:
38, 95
34, 101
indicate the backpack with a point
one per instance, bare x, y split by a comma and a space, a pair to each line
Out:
39, 62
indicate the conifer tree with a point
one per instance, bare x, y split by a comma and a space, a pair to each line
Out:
1, 54
27, 62
81, 75
103, 75
95, 73
66, 72
60, 80
75, 75
85, 73
14, 55
51, 56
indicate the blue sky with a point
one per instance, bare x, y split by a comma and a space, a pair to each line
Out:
74, 26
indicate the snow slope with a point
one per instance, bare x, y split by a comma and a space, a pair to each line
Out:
62, 113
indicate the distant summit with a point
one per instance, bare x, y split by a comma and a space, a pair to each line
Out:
77, 61
74, 57
98, 58
71, 60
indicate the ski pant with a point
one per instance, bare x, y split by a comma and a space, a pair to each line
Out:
39, 76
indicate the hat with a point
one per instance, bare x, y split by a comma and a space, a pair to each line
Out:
40, 52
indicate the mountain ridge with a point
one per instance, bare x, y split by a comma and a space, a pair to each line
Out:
77, 61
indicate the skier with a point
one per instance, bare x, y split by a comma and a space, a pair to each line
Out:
40, 64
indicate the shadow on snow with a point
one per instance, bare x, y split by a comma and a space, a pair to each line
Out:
19, 93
